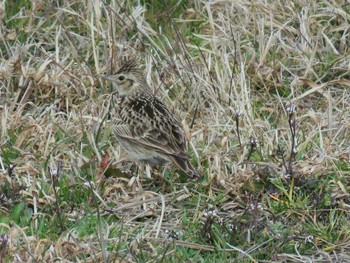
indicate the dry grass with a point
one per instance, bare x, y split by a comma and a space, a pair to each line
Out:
229, 70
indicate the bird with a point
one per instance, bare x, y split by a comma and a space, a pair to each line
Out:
142, 124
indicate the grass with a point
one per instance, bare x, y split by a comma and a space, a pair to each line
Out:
275, 184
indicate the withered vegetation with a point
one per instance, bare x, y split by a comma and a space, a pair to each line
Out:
261, 89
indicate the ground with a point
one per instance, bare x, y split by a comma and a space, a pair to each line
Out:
261, 89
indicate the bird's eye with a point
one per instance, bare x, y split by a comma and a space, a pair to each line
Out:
121, 78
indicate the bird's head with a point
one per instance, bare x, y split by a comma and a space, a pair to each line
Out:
127, 80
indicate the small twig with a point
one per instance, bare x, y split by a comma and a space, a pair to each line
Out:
194, 115
280, 153
54, 174
105, 117
291, 109
238, 114
30, 87
160, 221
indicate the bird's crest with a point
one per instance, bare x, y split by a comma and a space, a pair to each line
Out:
128, 66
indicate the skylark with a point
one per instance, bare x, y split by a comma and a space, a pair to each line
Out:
143, 125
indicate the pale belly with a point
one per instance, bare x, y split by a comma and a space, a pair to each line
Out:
140, 153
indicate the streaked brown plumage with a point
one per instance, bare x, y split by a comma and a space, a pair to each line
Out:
143, 125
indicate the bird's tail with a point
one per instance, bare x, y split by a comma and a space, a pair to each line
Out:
186, 166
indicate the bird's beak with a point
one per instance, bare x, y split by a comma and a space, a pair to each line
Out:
107, 76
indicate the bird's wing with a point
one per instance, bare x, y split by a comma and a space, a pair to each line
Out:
152, 126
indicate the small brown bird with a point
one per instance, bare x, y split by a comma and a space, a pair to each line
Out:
143, 125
